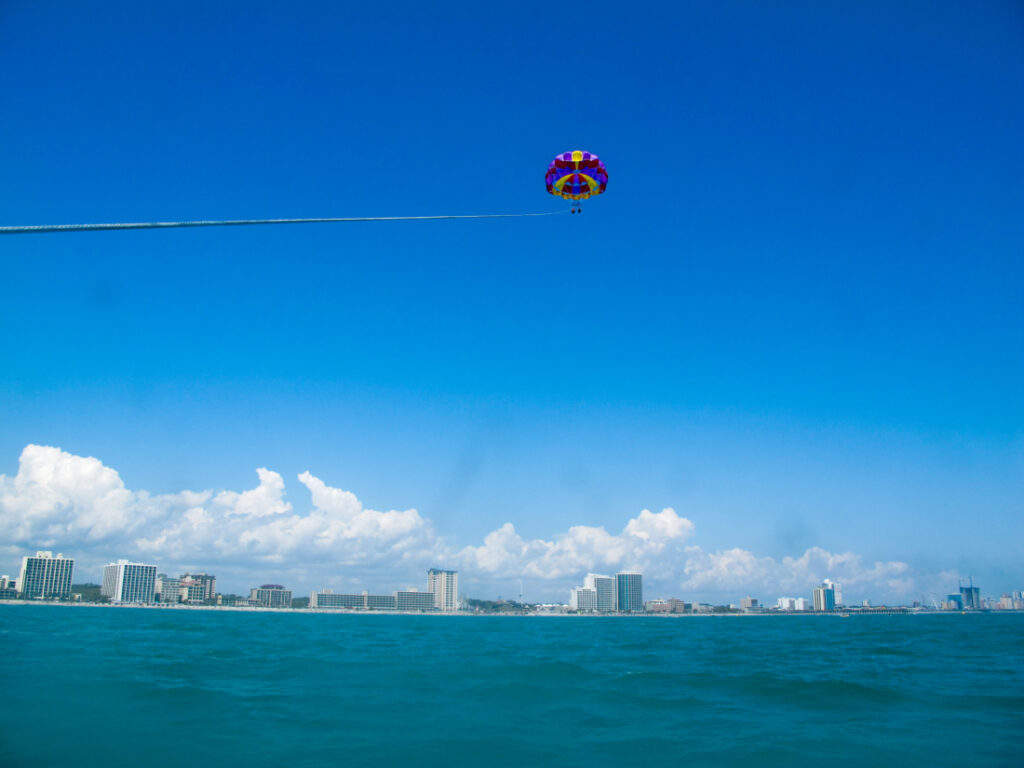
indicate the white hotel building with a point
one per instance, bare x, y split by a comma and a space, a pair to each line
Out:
45, 576
604, 586
128, 582
582, 599
444, 586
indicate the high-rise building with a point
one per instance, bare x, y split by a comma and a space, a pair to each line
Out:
605, 588
271, 596
444, 586
168, 589
582, 599
128, 582
970, 597
824, 598
802, 604
45, 576
192, 592
202, 586
749, 603
629, 592
837, 591
786, 604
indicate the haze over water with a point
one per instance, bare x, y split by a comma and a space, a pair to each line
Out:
130, 687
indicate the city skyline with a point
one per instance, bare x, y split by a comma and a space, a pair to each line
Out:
44, 576
76, 490
83, 496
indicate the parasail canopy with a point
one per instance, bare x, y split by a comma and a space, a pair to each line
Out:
576, 175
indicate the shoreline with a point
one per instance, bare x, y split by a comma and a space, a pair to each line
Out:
535, 614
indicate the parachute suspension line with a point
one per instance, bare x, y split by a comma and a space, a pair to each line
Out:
47, 228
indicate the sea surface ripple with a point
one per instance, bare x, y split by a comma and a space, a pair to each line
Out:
117, 687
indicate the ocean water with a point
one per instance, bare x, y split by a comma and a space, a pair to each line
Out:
163, 688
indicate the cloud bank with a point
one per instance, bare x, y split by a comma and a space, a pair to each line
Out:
646, 542
78, 505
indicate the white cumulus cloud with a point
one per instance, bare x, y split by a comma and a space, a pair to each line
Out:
643, 543
59, 500
733, 570
58, 497
264, 500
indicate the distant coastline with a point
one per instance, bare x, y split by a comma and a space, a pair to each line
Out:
509, 614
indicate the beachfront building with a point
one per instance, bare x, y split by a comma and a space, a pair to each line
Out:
582, 599
198, 587
381, 602
749, 603
270, 596
824, 598
672, 605
629, 592
793, 604
605, 588
414, 600
167, 588
970, 597
837, 591
326, 598
402, 600
128, 582
45, 576
191, 592
444, 586
8, 588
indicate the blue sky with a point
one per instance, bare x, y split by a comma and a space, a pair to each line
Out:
795, 318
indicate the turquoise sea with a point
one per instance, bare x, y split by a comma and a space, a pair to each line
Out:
176, 688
